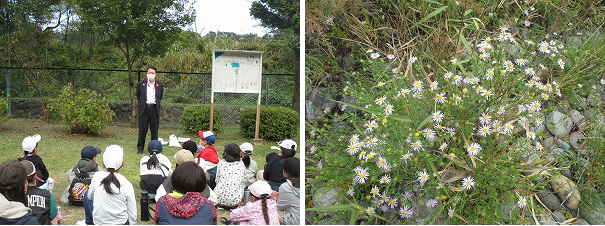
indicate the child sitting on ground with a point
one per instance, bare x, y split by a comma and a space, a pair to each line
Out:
274, 167
154, 169
262, 210
31, 147
230, 178
251, 166
289, 192
39, 200
208, 156
87, 164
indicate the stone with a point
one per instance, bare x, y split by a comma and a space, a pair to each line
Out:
562, 144
563, 106
594, 210
552, 202
558, 216
547, 220
507, 211
577, 118
318, 101
325, 197
566, 173
549, 143
567, 191
576, 139
581, 221
575, 42
558, 124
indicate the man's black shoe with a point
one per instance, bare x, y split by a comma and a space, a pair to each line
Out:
140, 152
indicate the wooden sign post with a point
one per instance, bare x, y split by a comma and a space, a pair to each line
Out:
237, 71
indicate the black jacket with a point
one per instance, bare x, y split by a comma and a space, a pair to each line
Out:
274, 169
40, 168
142, 96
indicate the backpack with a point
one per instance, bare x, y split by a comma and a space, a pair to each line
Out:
78, 188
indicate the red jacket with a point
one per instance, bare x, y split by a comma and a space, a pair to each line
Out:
209, 154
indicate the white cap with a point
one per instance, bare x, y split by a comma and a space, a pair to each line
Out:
207, 134
29, 143
113, 157
287, 144
247, 147
260, 188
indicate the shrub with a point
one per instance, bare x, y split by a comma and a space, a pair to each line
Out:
430, 128
276, 123
3, 109
197, 117
84, 111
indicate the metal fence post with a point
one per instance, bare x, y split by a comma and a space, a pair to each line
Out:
8, 87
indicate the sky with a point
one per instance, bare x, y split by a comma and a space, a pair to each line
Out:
226, 16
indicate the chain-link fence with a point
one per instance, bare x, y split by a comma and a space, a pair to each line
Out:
31, 88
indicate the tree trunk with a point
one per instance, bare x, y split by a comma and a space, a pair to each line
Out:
133, 106
296, 95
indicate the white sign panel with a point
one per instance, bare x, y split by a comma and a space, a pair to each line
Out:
235, 71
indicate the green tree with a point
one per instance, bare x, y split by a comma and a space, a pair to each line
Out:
138, 28
283, 15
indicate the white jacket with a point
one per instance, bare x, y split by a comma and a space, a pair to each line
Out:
163, 160
113, 209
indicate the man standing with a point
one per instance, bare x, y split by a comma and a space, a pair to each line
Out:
149, 94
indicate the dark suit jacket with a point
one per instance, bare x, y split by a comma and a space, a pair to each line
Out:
142, 96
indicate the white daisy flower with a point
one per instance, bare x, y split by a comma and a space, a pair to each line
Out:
457, 99
375, 55
418, 86
417, 146
520, 61
375, 191
508, 129
443, 146
381, 100
437, 117
485, 118
501, 110
392, 203
440, 98
388, 110
413, 59
381, 162
313, 149
530, 71
362, 176
531, 134
370, 210
522, 202
448, 75
431, 203
406, 195
390, 56
405, 212
454, 61
403, 92
468, 183
474, 149
433, 85
484, 130
428, 134
385, 179
423, 176
561, 63
406, 156
351, 192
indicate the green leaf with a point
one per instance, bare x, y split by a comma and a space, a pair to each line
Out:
466, 45
435, 2
424, 122
332, 208
427, 17
468, 11
354, 216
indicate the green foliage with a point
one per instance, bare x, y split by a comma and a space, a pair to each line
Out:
3, 108
83, 111
197, 117
276, 123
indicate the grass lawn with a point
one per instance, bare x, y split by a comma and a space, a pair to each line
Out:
61, 151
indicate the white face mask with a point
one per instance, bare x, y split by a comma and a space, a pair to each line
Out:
151, 77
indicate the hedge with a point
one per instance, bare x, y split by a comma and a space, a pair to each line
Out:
276, 123
197, 117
